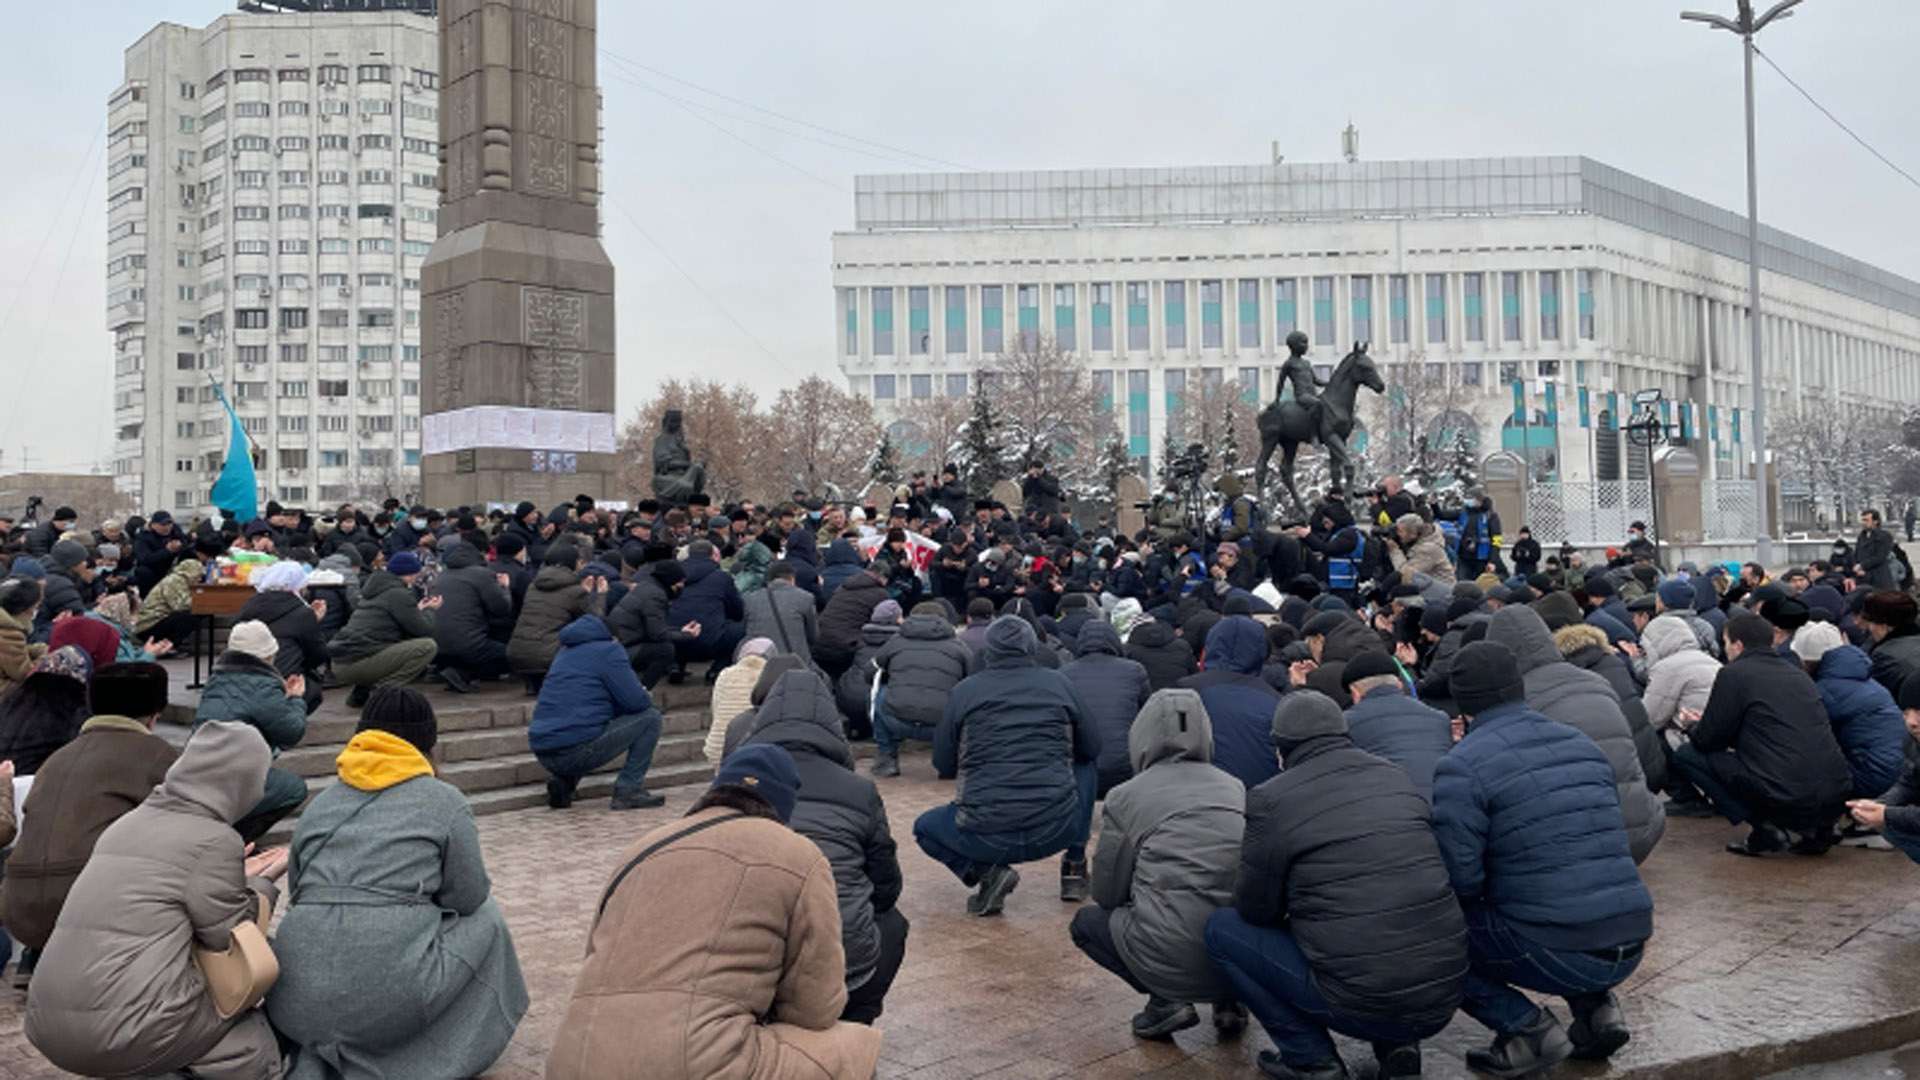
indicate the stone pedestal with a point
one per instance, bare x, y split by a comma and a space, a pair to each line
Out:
1130, 519
1676, 489
517, 354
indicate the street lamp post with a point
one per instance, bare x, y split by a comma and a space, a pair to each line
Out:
1746, 26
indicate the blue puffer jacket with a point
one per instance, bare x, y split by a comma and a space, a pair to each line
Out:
710, 599
843, 561
1866, 722
1389, 724
1529, 823
588, 685
805, 557
1113, 688
1238, 700
1013, 734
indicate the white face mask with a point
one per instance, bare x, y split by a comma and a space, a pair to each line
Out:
418, 523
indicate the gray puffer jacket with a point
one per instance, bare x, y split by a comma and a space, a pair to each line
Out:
839, 810
1585, 701
117, 992
1170, 848
923, 663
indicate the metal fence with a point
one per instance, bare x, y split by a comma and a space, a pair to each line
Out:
1729, 509
1591, 512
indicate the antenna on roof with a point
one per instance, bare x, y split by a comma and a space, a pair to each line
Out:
1350, 143
1278, 157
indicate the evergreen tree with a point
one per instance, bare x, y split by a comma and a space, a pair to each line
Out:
980, 455
1169, 456
1115, 465
1230, 446
884, 465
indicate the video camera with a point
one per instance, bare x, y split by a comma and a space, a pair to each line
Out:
1190, 465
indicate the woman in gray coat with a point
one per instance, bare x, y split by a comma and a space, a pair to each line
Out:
395, 962
116, 992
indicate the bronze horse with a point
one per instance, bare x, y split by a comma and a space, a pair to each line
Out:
1286, 424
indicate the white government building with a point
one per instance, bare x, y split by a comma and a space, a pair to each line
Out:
273, 191
1579, 282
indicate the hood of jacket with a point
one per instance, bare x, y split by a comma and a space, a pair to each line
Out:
1348, 640
927, 628
799, 714
584, 631
1097, 636
843, 553
1705, 596
1571, 639
754, 556
554, 578
1236, 643
874, 633
1522, 630
191, 569
222, 773
378, 583
339, 564
1172, 726
1151, 634
460, 555
699, 570
777, 666
1559, 607
1846, 662
1010, 642
1666, 636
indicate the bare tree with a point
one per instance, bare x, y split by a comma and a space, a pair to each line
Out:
1049, 410
1423, 426
724, 430
936, 422
819, 437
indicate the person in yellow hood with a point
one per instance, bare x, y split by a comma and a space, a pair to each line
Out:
386, 863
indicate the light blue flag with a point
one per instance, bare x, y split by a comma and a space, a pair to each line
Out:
234, 491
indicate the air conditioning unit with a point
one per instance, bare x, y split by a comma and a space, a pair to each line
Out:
266, 294
345, 291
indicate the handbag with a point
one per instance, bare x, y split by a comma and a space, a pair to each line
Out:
239, 976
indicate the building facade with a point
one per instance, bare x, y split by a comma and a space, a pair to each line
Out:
1540, 293
273, 192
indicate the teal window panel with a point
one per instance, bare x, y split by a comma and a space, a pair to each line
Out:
1136, 314
1249, 311
1586, 416
1713, 423
1436, 308
1177, 314
1474, 305
1062, 318
1286, 316
1029, 318
1736, 425
1362, 316
1137, 445
1210, 312
1510, 303
956, 319
1322, 311
990, 317
1103, 314
918, 319
882, 321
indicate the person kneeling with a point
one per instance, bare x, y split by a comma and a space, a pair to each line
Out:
842, 812
716, 950
388, 640
592, 709
387, 865
1169, 849
1024, 748
1530, 827
1342, 917
246, 688
1896, 814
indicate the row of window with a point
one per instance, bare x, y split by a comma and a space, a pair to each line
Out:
293, 494
297, 354
1064, 327
257, 179
328, 75
370, 245
299, 144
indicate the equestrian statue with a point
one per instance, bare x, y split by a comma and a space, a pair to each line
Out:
1314, 417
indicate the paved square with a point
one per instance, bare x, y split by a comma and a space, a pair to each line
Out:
1753, 966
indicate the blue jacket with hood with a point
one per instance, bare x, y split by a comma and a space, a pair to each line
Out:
1238, 700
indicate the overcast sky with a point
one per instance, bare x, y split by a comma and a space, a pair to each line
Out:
1002, 84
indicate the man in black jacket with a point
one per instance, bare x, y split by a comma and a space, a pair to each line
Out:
157, 548
1890, 619
919, 667
476, 617
643, 624
1039, 491
1763, 750
42, 537
1873, 558
1526, 553
1343, 918
840, 621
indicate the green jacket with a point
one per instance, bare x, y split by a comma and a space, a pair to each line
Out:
174, 594
750, 567
387, 615
248, 690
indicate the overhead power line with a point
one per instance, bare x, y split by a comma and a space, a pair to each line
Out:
691, 280
1828, 113
746, 142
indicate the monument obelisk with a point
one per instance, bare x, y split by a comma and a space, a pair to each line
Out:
517, 338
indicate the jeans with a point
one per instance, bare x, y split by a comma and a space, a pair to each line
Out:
285, 792
889, 731
1500, 959
717, 646
969, 853
1715, 775
866, 1001
1271, 976
651, 661
634, 735
1092, 932
488, 661
1907, 843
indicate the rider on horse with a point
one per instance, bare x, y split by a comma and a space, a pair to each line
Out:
1307, 382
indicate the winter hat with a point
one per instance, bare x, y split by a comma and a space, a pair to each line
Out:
1641, 603
402, 711
1815, 640
522, 509
284, 576
1485, 675
753, 646
136, 690
561, 553
1676, 595
1434, 621
1323, 624
404, 564
108, 553
1305, 716
160, 517
886, 612
254, 639
1557, 609
27, 567
65, 513
1599, 587
68, 554
1368, 665
1267, 592
766, 770
1885, 608
507, 545
1646, 575
668, 573
1909, 695
982, 608
1461, 607
1127, 614
100, 641
1786, 613
1237, 604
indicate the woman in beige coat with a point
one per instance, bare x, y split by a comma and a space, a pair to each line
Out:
716, 954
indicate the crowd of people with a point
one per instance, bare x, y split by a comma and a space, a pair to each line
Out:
1353, 773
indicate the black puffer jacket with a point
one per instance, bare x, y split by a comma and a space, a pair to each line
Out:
839, 810
555, 599
387, 615
1012, 733
923, 663
1113, 688
1896, 658
846, 612
1344, 642
1167, 658
1767, 710
472, 603
854, 688
302, 650
1340, 849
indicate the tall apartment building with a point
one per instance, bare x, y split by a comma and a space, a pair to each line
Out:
272, 194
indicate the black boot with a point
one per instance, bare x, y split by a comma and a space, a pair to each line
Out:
1161, 1018
457, 680
995, 883
1271, 1065
1762, 841
1598, 1028
639, 799
1073, 880
357, 697
1539, 1046
560, 792
1397, 1061
1229, 1019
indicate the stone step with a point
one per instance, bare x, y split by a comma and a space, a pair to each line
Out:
509, 770
316, 757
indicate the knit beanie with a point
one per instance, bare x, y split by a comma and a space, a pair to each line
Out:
1367, 665
1485, 675
767, 770
668, 573
507, 545
561, 553
135, 690
254, 639
98, 640
1815, 640
402, 711
404, 564
1909, 695
68, 554
1300, 717
886, 612
1323, 624
1126, 615
1676, 595
1786, 613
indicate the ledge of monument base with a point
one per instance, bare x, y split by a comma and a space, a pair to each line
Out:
504, 251
562, 215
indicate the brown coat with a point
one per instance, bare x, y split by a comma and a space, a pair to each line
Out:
16, 656
107, 770
703, 939
1427, 555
